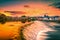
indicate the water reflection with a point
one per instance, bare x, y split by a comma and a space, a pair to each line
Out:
11, 30
54, 35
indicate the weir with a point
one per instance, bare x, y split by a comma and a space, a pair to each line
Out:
36, 31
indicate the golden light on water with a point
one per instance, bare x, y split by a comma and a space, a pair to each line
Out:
9, 29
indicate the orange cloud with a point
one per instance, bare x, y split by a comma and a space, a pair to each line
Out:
35, 9
16, 13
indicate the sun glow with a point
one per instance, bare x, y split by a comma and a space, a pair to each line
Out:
33, 9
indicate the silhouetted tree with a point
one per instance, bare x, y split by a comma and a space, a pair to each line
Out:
33, 18
2, 18
29, 19
23, 19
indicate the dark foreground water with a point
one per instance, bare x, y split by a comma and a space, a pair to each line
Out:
54, 35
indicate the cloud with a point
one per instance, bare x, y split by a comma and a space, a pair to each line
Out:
56, 4
16, 12
12, 2
8, 2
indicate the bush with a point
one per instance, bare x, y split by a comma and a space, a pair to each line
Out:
23, 19
3, 18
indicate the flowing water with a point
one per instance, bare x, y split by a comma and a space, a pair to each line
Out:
36, 31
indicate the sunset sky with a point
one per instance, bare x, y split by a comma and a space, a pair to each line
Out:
30, 7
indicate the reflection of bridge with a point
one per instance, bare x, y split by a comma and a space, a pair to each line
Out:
36, 31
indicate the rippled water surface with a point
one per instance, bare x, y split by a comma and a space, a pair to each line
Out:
36, 31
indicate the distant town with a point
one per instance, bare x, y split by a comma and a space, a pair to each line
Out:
45, 17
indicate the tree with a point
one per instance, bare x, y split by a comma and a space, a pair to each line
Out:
33, 18
29, 19
2, 18
23, 19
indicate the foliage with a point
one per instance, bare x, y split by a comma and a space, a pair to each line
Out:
3, 18
23, 19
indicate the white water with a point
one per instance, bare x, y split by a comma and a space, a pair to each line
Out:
36, 31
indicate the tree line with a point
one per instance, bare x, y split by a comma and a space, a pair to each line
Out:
23, 19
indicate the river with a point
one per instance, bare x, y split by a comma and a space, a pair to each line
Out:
36, 31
